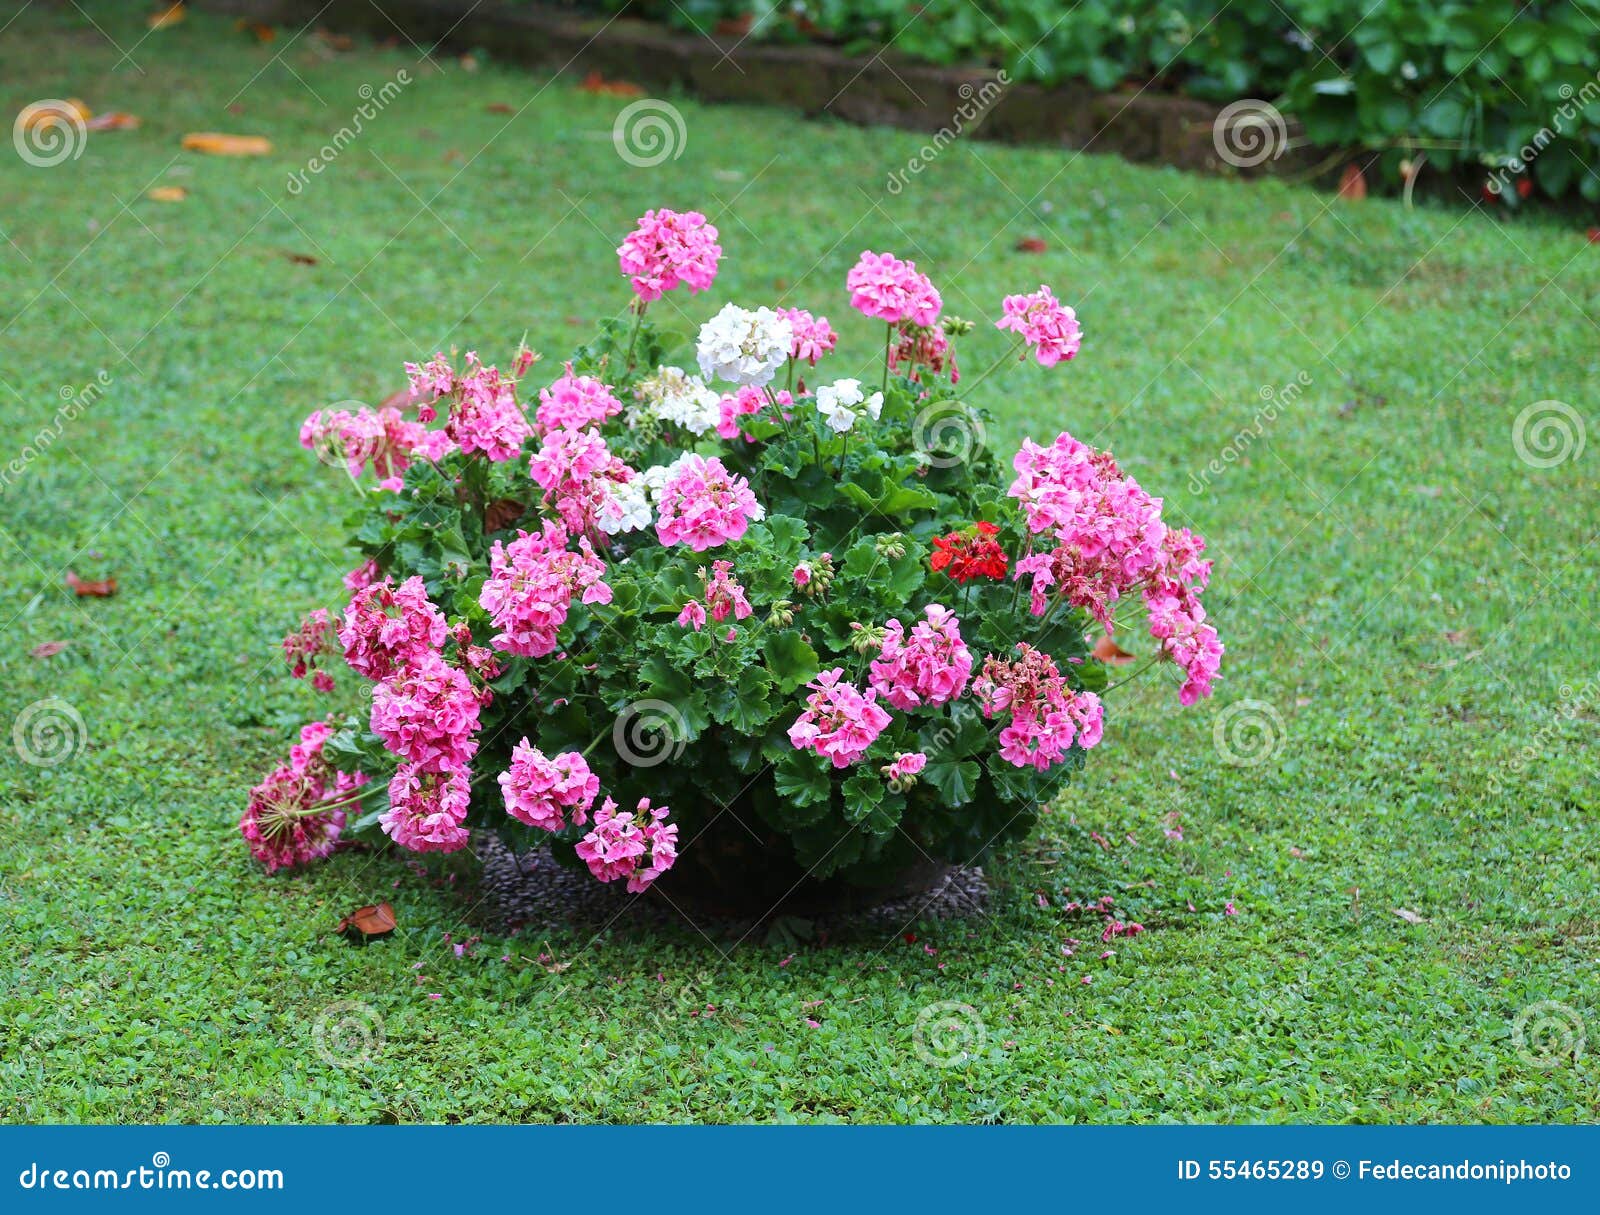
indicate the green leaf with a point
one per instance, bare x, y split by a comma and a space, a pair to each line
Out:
791, 660
801, 779
956, 781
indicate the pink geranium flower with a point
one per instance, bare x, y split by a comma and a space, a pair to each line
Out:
701, 504
668, 248
840, 722
888, 289
1045, 323
540, 791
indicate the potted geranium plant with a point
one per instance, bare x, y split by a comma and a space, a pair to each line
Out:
744, 624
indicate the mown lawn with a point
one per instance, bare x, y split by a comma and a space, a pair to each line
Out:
1412, 605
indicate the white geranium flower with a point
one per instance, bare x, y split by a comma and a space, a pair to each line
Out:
675, 396
837, 403
744, 347
626, 507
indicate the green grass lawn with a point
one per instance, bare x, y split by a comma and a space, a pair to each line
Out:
1413, 604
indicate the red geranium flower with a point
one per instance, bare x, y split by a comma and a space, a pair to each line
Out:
969, 553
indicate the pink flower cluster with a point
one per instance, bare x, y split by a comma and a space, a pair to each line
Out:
578, 474
928, 668
813, 336
1047, 717
639, 846
840, 722
1107, 530
1045, 323
723, 597
668, 248
292, 817
428, 809
381, 438
923, 349
388, 628
304, 647
702, 504
1177, 619
540, 791
484, 412
531, 584
905, 767
575, 401
888, 289
428, 714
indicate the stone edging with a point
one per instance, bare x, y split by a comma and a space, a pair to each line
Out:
1148, 128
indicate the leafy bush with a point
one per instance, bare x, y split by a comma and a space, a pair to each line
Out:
817, 610
1504, 85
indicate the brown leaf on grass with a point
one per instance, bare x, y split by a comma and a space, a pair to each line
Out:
469, 63
1409, 916
214, 144
594, 82
89, 588
260, 31
299, 259
1456, 636
502, 513
1109, 652
335, 42
48, 649
43, 113
1352, 184
167, 15
500, 107
373, 920
167, 194
114, 120
1031, 244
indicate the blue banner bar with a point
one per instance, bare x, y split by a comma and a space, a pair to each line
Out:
800, 1169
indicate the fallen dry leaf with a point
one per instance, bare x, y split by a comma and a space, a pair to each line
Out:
213, 144
500, 107
258, 30
373, 920
594, 82
88, 588
299, 259
1456, 636
1352, 184
336, 42
1031, 244
1109, 652
114, 120
71, 110
1409, 916
167, 194
469, 63
1593, 235
48, 649
164, 17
